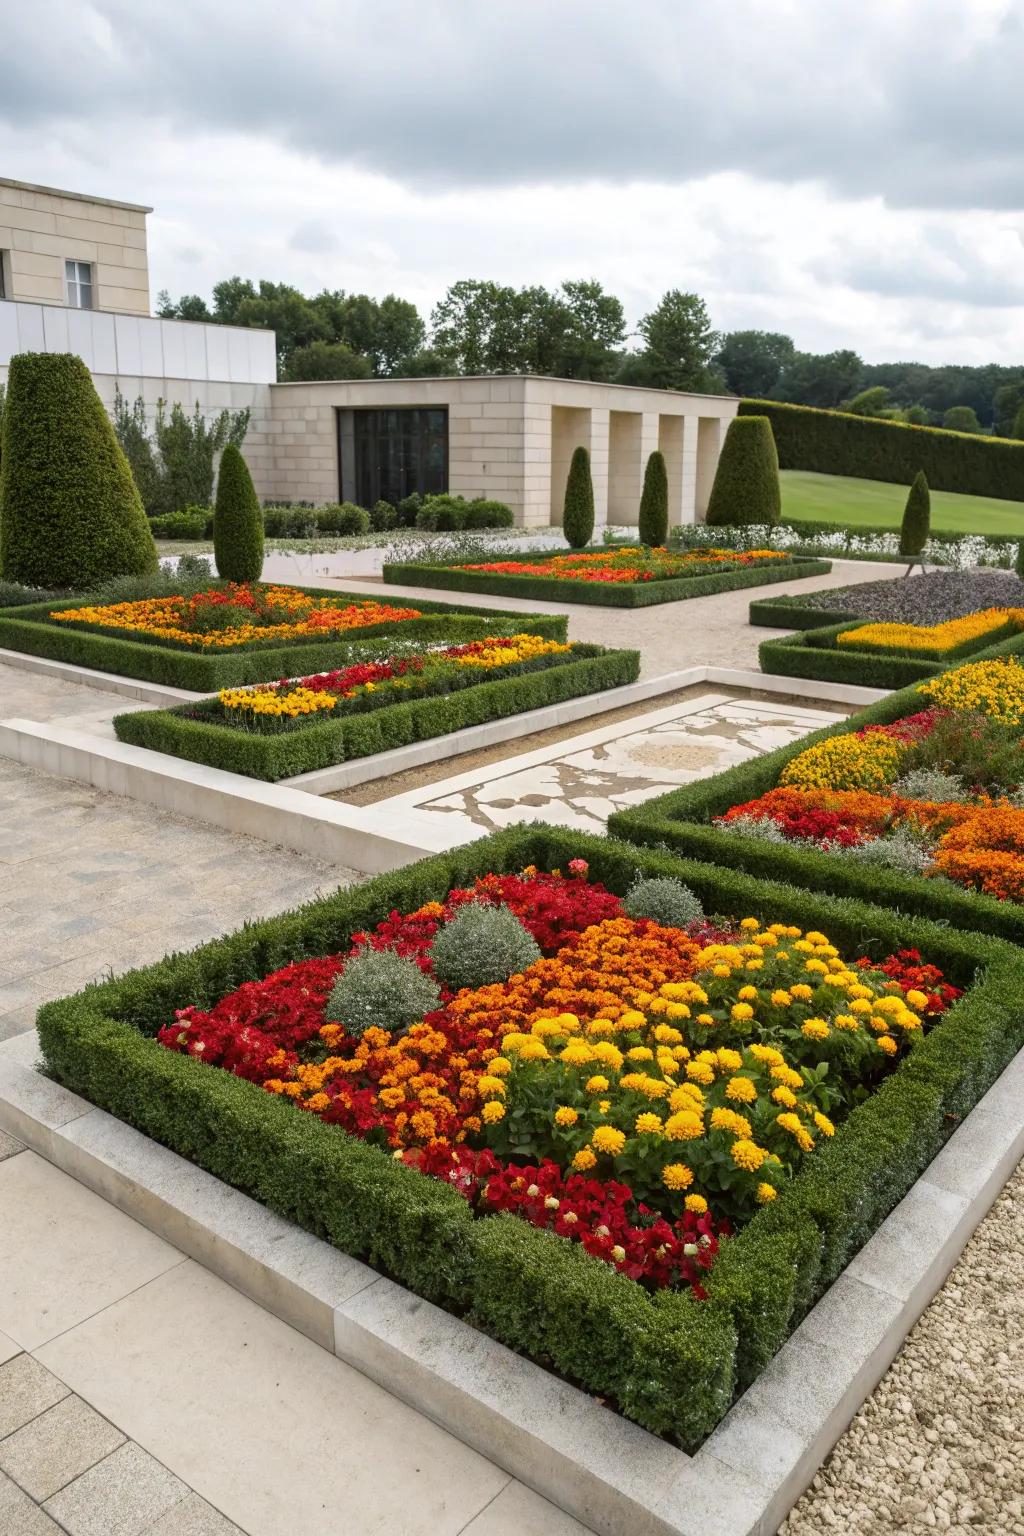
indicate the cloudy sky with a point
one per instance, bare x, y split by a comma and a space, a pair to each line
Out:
849, 171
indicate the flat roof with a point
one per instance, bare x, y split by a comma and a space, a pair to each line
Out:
78, 197
468, 378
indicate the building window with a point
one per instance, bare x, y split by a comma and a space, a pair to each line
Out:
79, 282
3, 274
385, 455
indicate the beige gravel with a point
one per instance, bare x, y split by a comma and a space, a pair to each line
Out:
940, 1444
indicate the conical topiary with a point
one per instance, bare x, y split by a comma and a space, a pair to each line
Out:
917, 516
654, 502
578, 516
1017, 430
746, 489
237, 521
70, 512
1018, 564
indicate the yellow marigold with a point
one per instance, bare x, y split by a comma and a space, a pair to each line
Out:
824, 1124
491, 1113
489, 1086
781, 999
499, 1066
632, 1019
532, 1050
816, 967
749, 924
728, 1060
608, 1054
785, 1097
741, 1089
747, 994
888, 1045
584, 1160
741, 1012
747, 1155
848, 1021
700, 1072
597, 1084
640, 1053
706, 1019
768, 1054
696, 1203
815, 1029
676, 1176
721, 970
648, 1124
566, 1115
576, 1054
686, 1096
786, 1075
685, 1125
917, 999
794, 1125
723, 1119
766, 1193
801, 990
607, 1139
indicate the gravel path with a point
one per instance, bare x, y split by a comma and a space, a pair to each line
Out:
938, 1447
930, 599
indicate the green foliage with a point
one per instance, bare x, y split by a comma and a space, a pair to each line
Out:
653, 528
320, 743
70, 514
870, 402
174, 469
14, 595
1018, 563
381, 989
192, 523
746, 488
619, 594
813, 653
326, 360
1017, 430
665, 901
961, 418
678, 345
915, 416
481, 945
575, 332
445, 513
752, 361
836, 443
578, 510
383, 516
237, 521
917, 517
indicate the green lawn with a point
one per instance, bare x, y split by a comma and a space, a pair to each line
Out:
841, 499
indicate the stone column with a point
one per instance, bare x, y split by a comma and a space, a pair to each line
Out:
598, 448
688, 506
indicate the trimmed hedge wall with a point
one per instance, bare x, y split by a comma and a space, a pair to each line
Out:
680, 820
29, 629
640, 594
814, 653
323, 742
839, 443
670, 1362
790, 613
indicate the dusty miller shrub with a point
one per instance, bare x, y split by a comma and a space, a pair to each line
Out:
382, 989
665, 901
481, 945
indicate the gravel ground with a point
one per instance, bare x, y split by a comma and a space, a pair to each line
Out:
938, 1447
927, 599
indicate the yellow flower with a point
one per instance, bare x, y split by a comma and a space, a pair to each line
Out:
584, 1160
532, 1050
750, 924
498, 1066
888, 1045
747, 1155
676, 1176
686, 1096
566, 1115
741, 1012
766, 1193
685, 1125
802, 991
597, 1085
728, 1120
493, 1112
824, 1124
696, 1203
729, 1061
747, 994
741, 1089
488, 1086
785, 1097
648, 1124
576, 1054
793, 1124
781, 999
815, 1029
917, 999
607, 1139
700, 1072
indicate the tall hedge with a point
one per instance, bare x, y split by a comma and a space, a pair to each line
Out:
654, 502
70, 512
746, 488
237, 521
917, 517
837, 443
578, 515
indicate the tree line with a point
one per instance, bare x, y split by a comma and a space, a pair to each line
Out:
579, 331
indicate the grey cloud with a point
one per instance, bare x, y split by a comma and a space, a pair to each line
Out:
934, 263
313, 236
921, 105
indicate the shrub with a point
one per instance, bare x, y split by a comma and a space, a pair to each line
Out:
14, 595
836, 443
450, 514
407, 509
931, 784
237, 521
382, 989
193, 523
343, 518
383, 516
481, 945
746, 488
654, 502
70, 513
665, 901
961, 418
483, 513
578, 511
917, 516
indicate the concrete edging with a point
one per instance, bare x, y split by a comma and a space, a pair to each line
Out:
161, 695
600, 1468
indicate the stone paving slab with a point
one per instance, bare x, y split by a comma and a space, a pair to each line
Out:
58, 1446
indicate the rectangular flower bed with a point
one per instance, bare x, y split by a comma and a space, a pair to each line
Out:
932, 598
231, 634
916, 802
633, 1149
280, 729
890, 655
630, 577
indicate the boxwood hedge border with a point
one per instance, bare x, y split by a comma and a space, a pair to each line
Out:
29, 629
814, 653
323, 742
639, 594
670, 1362
789, 612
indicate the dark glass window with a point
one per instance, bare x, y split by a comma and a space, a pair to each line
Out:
387, 454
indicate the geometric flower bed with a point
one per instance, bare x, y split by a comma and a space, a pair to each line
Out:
930, 598
230, 634
638, 1157
631, 577
884, 655
920, 804
280, 729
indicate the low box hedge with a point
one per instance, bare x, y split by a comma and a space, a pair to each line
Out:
612, 594
670, 1361
814, 653
320, 742
789, 612
680, 821
30, 629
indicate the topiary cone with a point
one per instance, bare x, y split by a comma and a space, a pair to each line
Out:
653, 528
917, 517
70, 512
578, 515
237, 521
746, 489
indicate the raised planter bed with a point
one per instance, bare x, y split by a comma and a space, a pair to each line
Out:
685, 820
667, 577
152, 656
670, 1358
878, 660
381, 713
